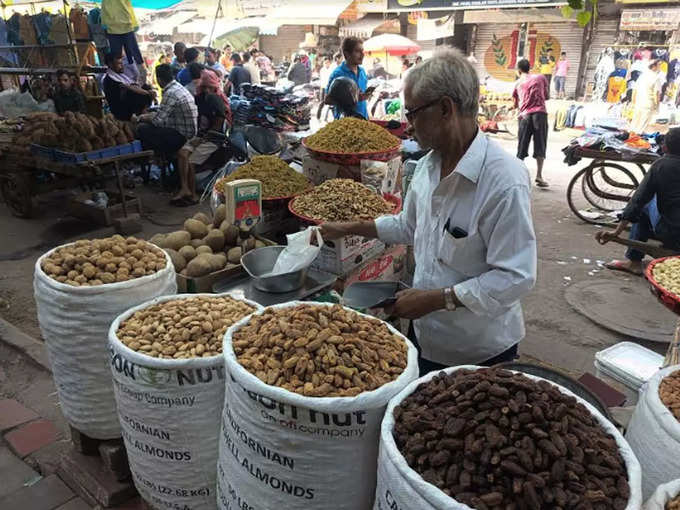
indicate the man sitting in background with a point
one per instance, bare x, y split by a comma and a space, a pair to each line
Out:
167, 130
184, 76
68, 97
654, 209
125, 98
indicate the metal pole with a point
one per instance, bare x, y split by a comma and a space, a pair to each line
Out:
212, 30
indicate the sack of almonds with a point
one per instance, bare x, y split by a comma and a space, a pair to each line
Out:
168, 376
665, 497
307, 387
491, 439
79, 288
654, 431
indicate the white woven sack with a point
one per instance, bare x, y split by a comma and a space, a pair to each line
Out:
281, 450
399, 486
654, 435
74, 322
170, 417
662, 495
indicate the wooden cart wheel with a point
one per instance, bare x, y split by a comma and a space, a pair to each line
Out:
16, 192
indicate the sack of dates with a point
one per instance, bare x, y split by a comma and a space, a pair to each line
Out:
307, 388
654, 430
168, 378
79, 289
488, 438
665, 497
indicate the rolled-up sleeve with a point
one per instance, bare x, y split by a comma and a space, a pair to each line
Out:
399, 228
508, 232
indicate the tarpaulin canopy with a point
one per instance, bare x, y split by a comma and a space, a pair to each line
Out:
166, 25
391, 44
150, 4
365, 26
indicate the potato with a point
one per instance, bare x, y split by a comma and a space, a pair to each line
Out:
220, 214
177, 260
197, 242
220, 260
188, 252
230, 231
202, 217
203, 249
196, 228
176, 240
234, 255
249, 244
215, 239
259, 244
201, 265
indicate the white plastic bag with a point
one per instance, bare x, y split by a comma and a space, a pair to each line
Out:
170, 417
74, 322
399, 486
654, 435
280, 450
299, 253
662, 495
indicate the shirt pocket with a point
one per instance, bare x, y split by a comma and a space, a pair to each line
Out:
466, 255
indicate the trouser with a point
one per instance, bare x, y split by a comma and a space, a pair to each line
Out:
162, 140
533, 125
426, 366
643, 229
642, 117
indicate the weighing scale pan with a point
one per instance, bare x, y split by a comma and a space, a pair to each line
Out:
372, 294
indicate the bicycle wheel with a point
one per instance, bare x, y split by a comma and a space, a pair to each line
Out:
581, 206
609, 186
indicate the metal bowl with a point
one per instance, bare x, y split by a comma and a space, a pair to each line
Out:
261, 261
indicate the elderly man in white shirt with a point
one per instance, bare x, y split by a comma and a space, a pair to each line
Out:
468, 216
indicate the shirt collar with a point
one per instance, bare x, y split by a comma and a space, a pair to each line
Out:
346, 69
470, 165
169, 85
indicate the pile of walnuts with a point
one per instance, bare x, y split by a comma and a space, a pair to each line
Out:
320, 351
673, 504
182, 328
669, 393
101, 261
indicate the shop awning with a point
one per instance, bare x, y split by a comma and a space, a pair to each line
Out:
365, 26
224, 26
166, 25
310, 12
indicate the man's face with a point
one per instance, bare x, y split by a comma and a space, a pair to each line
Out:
117, 65
210, 58
179, 53
65, 82
357, 55
426, 122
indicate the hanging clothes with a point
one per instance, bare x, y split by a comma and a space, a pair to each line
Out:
616, 89
604, 68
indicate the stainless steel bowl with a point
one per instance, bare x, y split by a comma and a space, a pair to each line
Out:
261, 261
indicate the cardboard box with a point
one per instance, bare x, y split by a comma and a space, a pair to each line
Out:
388, 266
347, 253
319, 171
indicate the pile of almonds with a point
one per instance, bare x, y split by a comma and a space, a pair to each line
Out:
101, 261
495, 440
182, 328
320, 351
673, 504
669, 393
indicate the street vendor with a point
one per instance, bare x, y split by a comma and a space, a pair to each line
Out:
353, 50
467, 215
68, 97
654, 210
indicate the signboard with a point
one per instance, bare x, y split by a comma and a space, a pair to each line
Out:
650, 19
447, 5
430, 29
371, 5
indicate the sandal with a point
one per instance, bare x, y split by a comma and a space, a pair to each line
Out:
187, 202
541, 183
619, 265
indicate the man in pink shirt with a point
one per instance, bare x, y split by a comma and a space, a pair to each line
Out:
561, 71
529, 95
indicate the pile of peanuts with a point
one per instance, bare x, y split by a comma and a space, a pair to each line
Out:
101, 261
673, 504
320, 351
182, 328
667, 274
669, 393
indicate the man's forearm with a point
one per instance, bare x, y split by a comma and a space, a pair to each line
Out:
364, 228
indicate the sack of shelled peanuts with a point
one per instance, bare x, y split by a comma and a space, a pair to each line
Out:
307, 387
169, 381
471, 437
79, 289
665, 497
654, 430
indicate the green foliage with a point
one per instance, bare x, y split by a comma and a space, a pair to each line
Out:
585, 10
498, 52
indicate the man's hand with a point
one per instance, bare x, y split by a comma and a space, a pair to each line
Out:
415, 303
333, 230
603, 237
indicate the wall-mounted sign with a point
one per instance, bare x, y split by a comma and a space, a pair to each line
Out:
430, 29
650, 18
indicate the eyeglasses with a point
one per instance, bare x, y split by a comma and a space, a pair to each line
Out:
411, 114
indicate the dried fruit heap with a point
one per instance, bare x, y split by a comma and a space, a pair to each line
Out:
673, 504
350, 136
320, 351
341, 200
100, 261
495, 440
277, 178
182, 328
669, 393
667, 274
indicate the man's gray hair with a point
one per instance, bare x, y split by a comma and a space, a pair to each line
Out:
447, 73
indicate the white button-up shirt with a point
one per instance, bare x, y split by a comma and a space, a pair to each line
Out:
488, 196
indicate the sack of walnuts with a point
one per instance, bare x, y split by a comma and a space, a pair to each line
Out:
307, 387
472, 437
665, 497
169, 381
654, 431
79, 289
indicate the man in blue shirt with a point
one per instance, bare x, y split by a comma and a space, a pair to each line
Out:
184, 76
353, 50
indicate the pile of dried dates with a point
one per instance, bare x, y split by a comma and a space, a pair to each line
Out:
497, 440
